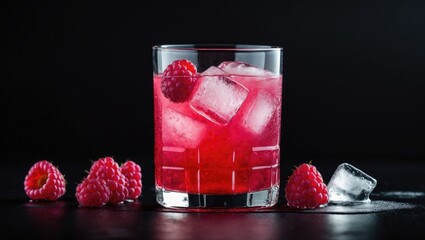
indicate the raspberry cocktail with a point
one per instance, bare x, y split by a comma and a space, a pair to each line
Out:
217, 125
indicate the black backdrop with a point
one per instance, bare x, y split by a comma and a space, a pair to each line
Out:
76, 78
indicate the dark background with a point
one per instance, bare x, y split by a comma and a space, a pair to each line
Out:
76, 78
76, 85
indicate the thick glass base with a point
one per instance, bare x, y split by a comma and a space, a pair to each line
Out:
263, 198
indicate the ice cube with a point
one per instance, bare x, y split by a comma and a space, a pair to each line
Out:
350, 184
213, 71
179, 130
260, 113
241, 68
218, 98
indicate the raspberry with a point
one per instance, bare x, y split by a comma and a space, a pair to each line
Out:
107, 161
92, 193
133, 174
108, 170
44, 181
305, 188
178, 80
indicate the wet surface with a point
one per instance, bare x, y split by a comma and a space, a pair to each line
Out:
374, 206
371, 207
400, 195
396, 211
138, 220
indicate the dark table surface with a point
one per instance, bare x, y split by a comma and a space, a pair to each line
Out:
397, 210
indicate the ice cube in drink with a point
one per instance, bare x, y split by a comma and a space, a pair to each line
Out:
217, 97
175, 125
243, 69
260, 113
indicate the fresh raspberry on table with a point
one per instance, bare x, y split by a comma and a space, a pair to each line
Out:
133, 173
109, 170
92, 193
106, 161
178, 80
44, 181
305, 188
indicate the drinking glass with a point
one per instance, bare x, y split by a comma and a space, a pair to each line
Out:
217, 118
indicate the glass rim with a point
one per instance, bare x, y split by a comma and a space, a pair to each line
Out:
217, 47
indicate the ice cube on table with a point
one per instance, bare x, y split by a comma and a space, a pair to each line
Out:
179, 130
260, 113
241, 68
218, 98
350, 184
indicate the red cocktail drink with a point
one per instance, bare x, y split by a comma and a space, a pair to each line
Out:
223, 139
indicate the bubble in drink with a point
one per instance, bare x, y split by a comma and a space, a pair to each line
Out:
218, 98
182, 131
240, 68
260, 113
350, 184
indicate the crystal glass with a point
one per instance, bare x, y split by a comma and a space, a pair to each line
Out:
217, 118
